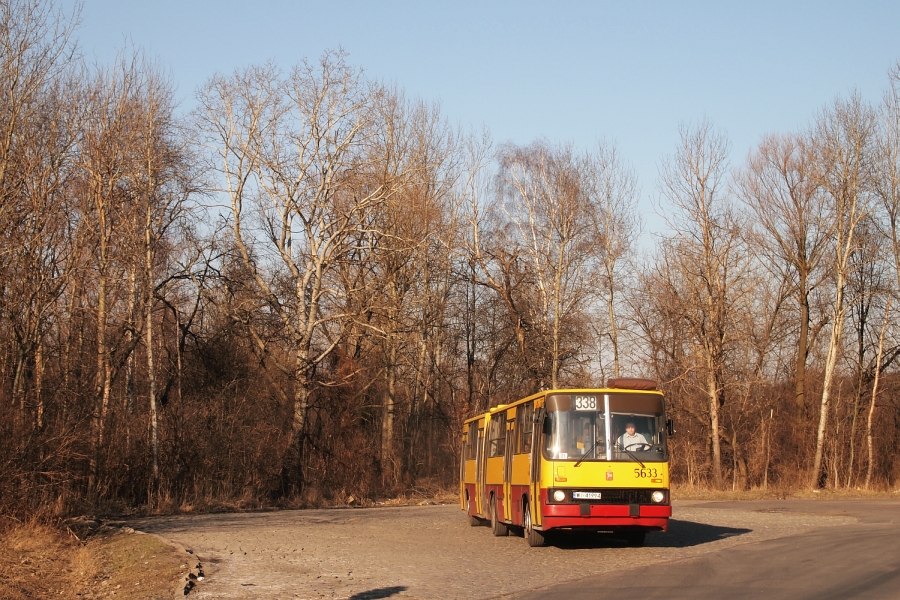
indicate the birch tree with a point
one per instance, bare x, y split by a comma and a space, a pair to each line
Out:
163, 181
843, 139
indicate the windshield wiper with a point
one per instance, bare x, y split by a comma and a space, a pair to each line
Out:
628, 452
586, 454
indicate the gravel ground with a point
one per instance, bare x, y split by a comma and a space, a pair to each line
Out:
429, 552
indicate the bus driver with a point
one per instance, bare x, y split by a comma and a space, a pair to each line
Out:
631, 440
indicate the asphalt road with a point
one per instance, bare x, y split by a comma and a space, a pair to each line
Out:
773, 549
858, 560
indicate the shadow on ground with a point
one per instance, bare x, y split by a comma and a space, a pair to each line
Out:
681, 534
385, 592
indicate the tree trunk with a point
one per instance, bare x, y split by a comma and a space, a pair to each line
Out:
133, 311
802, 350
554, 362
39, 382
292, 478
713, 392
19, 385
830, 363
613, 330
871, 466
102, 380
414, 419
740, 464
151, 371
387, 410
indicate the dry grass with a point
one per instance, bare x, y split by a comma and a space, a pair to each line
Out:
685, 492
37, 561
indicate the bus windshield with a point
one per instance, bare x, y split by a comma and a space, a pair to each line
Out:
605, 427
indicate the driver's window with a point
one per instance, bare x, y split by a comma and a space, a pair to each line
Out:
643, 432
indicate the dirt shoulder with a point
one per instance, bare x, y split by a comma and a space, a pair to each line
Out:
37, 561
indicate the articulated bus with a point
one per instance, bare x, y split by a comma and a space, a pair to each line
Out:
570, 460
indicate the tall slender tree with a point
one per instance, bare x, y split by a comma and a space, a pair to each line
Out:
843, 139
704, 256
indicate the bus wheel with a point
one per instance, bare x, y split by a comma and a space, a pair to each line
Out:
473, 520
635, 539
499, 529
535, 539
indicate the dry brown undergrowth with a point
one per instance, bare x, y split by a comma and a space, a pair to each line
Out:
685, 492
37, 561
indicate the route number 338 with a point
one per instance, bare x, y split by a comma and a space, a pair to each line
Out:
585, 402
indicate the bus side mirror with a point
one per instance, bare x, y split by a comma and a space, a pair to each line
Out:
670, 427
548, 426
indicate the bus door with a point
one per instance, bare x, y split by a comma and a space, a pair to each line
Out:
463, 454
507, 463
537, 443
479, 470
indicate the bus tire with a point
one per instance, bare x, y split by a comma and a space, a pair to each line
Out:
535, 539
497, 528
635, 539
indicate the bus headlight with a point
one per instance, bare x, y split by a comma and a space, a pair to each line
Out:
658, 497
559, 496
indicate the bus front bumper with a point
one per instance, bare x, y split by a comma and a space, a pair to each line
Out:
603, 516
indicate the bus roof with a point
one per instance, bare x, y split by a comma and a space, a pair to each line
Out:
614, 386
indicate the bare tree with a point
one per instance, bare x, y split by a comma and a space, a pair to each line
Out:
400, 297
36, 138
37, 47
548, 206
879, 356
163, 180
704, 254
107, 158
867, 285
887, 181
613, 187
887, 189
843, 140
299, 177
779, 187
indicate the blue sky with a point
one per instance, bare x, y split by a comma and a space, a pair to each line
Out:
630, 72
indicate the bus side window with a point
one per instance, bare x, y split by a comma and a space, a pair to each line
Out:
498, 435
524, 427
528, 427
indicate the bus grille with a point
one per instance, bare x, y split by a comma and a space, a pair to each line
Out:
621, 497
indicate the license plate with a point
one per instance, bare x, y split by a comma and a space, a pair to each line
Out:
586, 495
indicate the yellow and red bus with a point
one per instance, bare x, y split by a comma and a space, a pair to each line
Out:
570, 459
